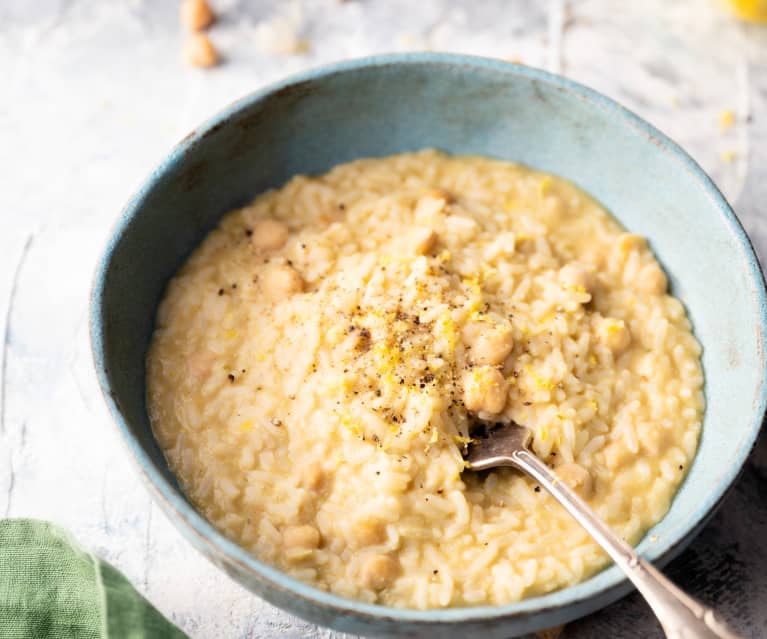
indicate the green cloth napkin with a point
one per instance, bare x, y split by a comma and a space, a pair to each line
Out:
51, 588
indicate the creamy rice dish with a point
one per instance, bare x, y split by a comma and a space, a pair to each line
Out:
318, 361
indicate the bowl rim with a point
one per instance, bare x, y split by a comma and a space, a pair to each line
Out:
598, 585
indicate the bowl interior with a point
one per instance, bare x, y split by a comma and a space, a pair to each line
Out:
467, 106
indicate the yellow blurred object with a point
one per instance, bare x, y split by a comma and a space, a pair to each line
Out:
753, 10
726, 120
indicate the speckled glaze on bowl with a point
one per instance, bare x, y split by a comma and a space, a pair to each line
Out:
390, 104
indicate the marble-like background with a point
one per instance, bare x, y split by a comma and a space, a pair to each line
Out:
93, 93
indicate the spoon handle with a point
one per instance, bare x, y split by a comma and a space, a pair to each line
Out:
681, 616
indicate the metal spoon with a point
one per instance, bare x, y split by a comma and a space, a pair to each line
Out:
681, 616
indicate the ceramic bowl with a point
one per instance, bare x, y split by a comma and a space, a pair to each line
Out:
391, 104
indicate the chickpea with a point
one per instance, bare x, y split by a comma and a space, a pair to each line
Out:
368, 531
628, 242
616, 455
301, 537
200, 52
269, 235
485, 389
281, 281
313, 478
424, 240
430, 204
576, 276
196, 15
614, 334
653, 439
378, 571
489, 344
577, 477
652, 280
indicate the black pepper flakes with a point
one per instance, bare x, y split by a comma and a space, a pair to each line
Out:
220, 292
230, 377
248, 232
537, 489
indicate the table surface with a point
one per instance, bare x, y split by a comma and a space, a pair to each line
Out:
95, 94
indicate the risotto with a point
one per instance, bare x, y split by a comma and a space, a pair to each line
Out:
318, 361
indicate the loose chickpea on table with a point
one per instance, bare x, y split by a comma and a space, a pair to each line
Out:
199, 51
196, 15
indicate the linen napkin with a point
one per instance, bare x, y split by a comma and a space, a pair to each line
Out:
51, 588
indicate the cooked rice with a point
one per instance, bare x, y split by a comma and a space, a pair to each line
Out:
309, 387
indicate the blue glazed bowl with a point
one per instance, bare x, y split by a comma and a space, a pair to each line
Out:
385, 105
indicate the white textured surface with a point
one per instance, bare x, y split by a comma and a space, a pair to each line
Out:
94, 94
